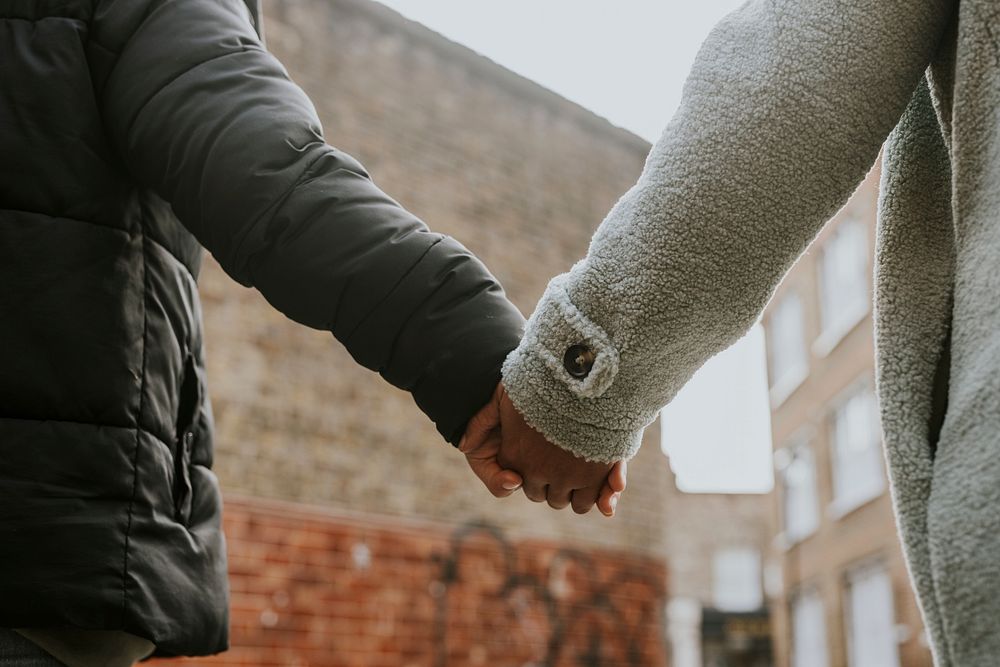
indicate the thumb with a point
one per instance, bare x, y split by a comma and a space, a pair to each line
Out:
481, 425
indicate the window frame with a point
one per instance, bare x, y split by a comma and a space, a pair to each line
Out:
782, 387
851, 575
833, 331
758, 557
841, 505
797, 445
808, 591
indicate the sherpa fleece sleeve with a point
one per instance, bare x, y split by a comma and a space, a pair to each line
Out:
782, 115
200, 113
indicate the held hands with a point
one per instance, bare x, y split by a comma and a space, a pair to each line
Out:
505, 453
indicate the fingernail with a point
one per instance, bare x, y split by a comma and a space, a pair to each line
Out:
510, 486
614, 504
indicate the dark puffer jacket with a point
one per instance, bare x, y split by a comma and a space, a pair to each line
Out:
119, 118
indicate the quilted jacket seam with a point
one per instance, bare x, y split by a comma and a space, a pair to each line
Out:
138, 419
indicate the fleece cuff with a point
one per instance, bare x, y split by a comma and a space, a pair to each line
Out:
575, 413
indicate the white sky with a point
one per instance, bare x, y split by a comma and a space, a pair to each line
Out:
627, 60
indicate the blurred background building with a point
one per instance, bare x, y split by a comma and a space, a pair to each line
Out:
716, 543
842, 597
357, 537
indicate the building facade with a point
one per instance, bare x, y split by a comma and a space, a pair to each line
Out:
842, 597
357, 537
717, 614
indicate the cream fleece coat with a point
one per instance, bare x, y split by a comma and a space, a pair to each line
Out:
785, 110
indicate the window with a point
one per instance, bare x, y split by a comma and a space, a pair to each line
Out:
843, 281
858, 474
737, 580
808, 631
786, 348
800, 506
871, 619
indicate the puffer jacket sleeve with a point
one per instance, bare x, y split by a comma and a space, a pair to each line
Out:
782, 115
203, 115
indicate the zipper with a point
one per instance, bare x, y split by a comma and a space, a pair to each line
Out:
188, 411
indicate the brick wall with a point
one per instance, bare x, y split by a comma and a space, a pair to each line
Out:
321, 588
701, 525
842, 540
516, 173
522, 177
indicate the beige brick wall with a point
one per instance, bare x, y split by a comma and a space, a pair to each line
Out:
519, 175
702, 524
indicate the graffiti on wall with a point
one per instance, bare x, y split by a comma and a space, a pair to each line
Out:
544, 606
309, 590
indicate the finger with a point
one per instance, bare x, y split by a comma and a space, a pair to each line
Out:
583, 499
501, 483
617, 476
607, 503
558, 498
504, 483
535, 491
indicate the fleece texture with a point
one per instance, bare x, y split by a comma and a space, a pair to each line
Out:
785, 110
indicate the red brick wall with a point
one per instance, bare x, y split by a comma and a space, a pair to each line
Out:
321, 588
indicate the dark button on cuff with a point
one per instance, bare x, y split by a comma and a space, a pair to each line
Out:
578, 361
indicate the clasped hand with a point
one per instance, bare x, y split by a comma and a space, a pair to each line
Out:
507, 454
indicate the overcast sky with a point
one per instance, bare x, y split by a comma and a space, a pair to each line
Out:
627, 60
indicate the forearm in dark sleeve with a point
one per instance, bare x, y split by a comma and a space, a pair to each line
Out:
203, 115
